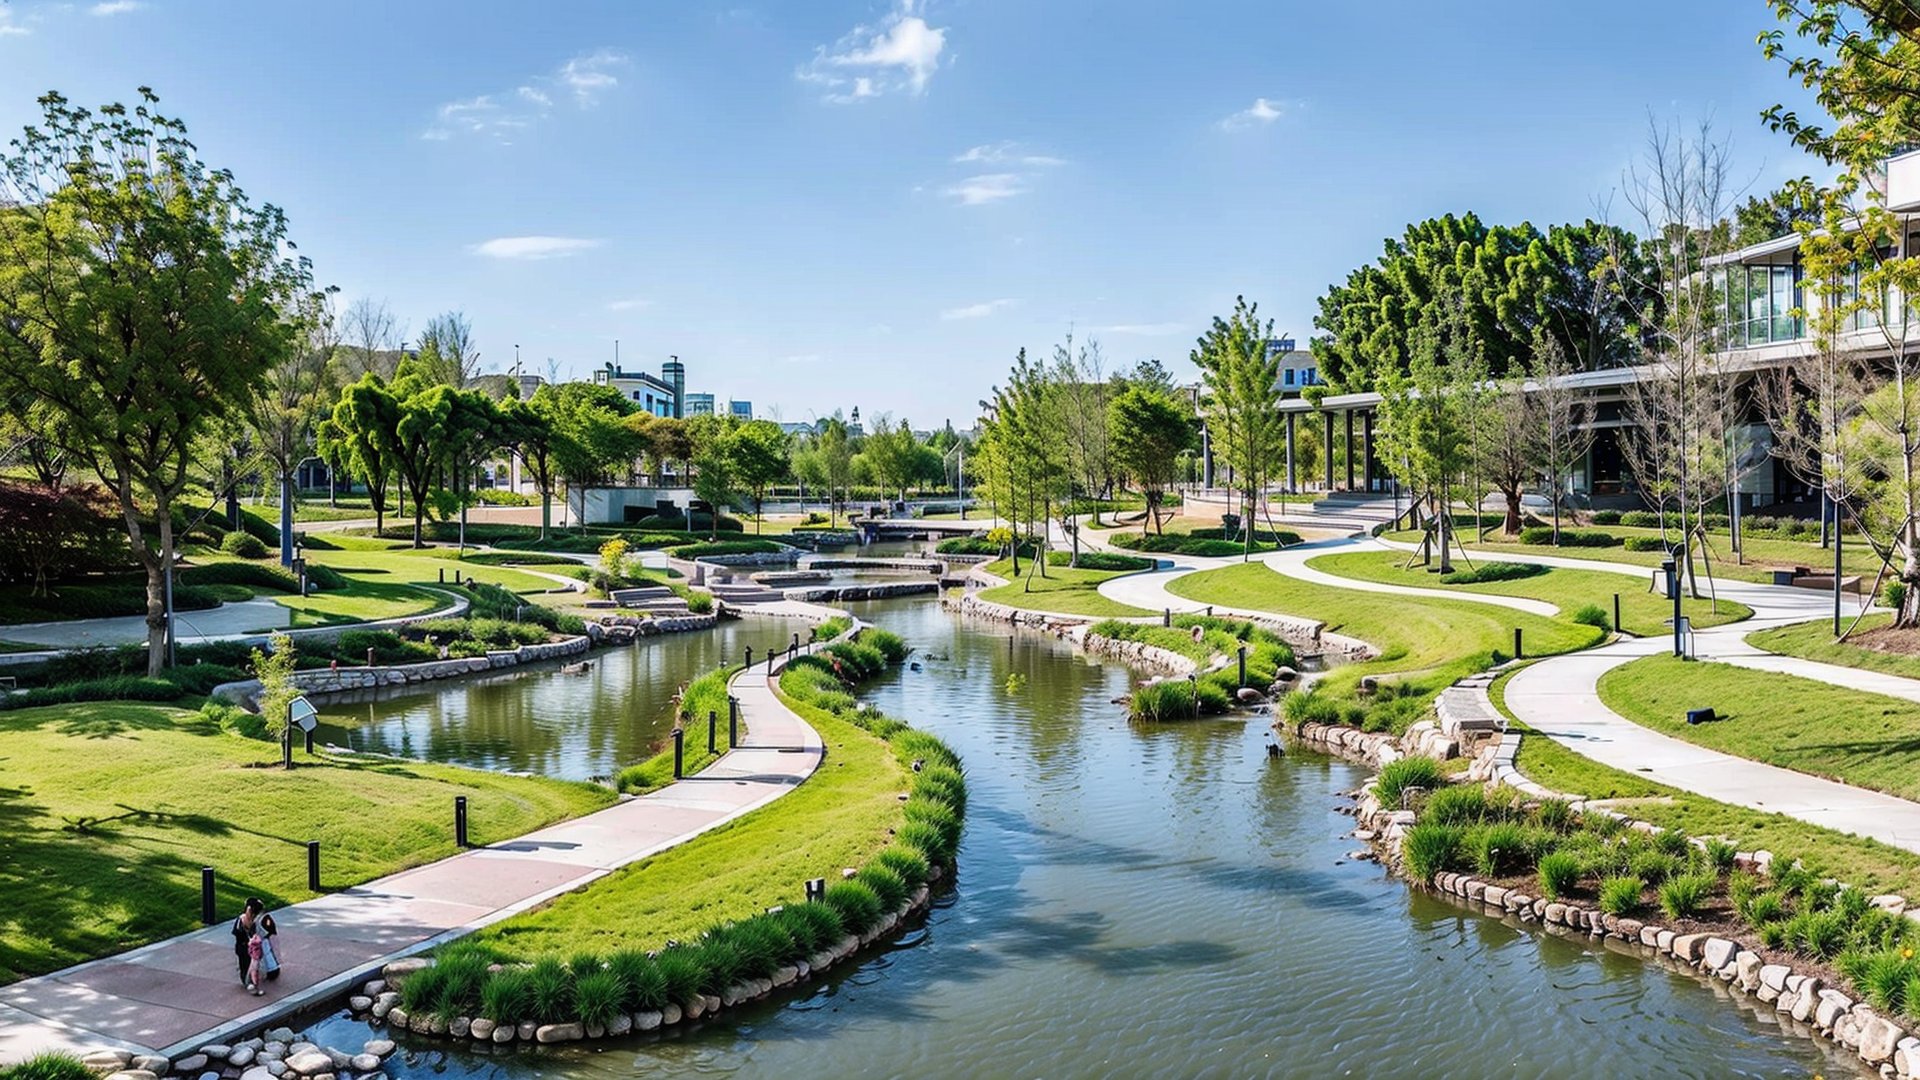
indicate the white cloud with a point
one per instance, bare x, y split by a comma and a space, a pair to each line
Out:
1155, 329
1006, 153
899, 53
8, 27
977, 311
585, 79
986, 188
533, 247
629, 305
115, 7
1262, 111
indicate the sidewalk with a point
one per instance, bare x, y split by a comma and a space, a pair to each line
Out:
176, 995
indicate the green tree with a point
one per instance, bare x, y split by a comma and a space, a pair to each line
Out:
834, 446
713, 480
1426, 416
1148, 431
591, 439
890, 452
274, 668
758, 455
529, 426
291, 400
417, 441
142, 294
360, 433
1241, 403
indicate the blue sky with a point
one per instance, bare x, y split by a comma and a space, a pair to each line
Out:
819, 204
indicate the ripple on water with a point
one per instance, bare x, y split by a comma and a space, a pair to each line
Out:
1167, 902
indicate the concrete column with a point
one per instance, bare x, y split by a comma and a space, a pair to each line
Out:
1328, 443
1291, 486
1349, 420
1366, 473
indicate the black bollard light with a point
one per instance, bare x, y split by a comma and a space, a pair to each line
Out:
679, 739
1517, 652
816, 888
713, 723
770, 656
1166, 616
460, 821
206, 896
286, 747
1616, 611
795, 647
749, 662
733, 720
1243, 665
369, 656
443, 574
313, 866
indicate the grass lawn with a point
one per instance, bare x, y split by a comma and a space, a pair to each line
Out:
1064, 589
1763, 555
1814, 641
389, 584
1643, 613
840, 817
108, 811
1869, 864
1864, 739
1441, 640
362, 601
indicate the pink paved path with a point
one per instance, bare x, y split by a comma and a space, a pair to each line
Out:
176, 995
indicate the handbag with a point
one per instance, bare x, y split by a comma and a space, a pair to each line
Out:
269, 962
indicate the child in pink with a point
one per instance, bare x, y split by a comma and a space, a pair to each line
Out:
255, 952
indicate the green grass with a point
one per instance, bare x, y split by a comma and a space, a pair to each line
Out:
1814, 641
840, 817
1438, 641
1868, 864
108, 811
390, 583
1644, 613
1864, 739
1064, 590
704, 694
422, 567
1762, 554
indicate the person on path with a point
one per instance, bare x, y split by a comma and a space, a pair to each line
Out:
266, 930
243, 937
256, 950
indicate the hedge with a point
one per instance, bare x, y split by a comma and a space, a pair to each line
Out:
1543, 534
1100, 560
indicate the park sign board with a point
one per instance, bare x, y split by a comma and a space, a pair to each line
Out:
301, 713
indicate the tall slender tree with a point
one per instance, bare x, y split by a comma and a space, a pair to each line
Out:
1241, 403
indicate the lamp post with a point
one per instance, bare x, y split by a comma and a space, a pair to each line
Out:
1671, 570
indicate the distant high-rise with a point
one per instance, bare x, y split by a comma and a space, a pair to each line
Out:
699, 405
652, 393
741, 409
675, 374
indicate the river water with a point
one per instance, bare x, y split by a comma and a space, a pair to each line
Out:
1150, 902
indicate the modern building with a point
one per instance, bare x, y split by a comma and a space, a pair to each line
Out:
657, 394
741, 409
1298, 369
698, 405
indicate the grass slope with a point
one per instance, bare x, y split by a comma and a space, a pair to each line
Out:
108, 811
1869, 864
1763, 554
838, 818
1643, 612
1814, 641
1864, 739
1065, 590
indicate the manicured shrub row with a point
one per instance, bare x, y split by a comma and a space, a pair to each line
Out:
724, 547
1644, 543
1100, 560
243, 545
596, 990
1198, 543
978, 545
1543, 534
1493, 571
1282, 537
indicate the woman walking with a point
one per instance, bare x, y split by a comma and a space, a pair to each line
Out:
244, 943
266, 930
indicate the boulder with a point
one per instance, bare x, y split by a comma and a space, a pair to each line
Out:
1774, 976
1746, 970
420, 1023
374, 987
1906, 1056
481, 1028
526, 1030
258, 1072
503, 1034
713, 1004
396, 972
241, 1056
1717, 953
132, 1074
670, 1015
364, 1063
278, 1068
646, 1021
378, 1047
396, 1016
1650, 936
785, 975
282, 1034
341, 1060
192, 1063
554, 1033
1690, 947
1629, 929
216, 1051
359, 1003
459, 1026
1878, 1037
106, 1061
1664, 941
1833, 1005
695, 1009
1556, 912
596, 1031
384, 1004
1804, 1004
153, 1063
301, 1047
620, 1025
310, 1063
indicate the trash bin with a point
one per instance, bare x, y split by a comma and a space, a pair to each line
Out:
1783, 577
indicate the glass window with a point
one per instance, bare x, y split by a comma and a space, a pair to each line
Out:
1783, 302
1289, 376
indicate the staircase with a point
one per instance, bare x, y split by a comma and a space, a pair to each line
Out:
1341, 511
738, 593
650, 600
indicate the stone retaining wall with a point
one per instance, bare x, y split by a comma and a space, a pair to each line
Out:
875, 591
328, 681
754, 558
1815, 1007
1135, 654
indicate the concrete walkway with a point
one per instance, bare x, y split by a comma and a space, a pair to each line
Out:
176, 995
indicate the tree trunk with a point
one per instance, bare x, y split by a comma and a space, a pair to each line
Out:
546, 510
157, 639
286, 519
1511, 526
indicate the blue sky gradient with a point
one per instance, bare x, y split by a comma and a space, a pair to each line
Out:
819, 205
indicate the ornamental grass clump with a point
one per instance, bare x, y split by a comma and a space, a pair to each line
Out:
680, 971
1456, 804
892, 647
1505, 848
642, 986
942, 782
1558, 871
1429, 848
549, 990
885, 884
906, 862
421, 992
597, 998
49, 1065
1410, 772
1593, 615
859, 907
1621, 895
1682, 896
505, 997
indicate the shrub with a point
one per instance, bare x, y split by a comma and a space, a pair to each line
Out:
1456, 804
236, 721
506, 997
1593, 615
1543, 534
857, 905
1621, 895
1558, 871
1654, 866
1894, 594
1100, 560
1493, 571
723, 547
240, 573
1606, 517
1673, 842
1764, 908
908, 864
244, 545
680, 973
1430, 847
1408, 772
928, 839
1720, 854
1817, 933
1681, 896
1640, 519
1644, 543
721, 960
1555, 814
48, 1065
1884, 977
421, 992
1504, 848
596, 998
642, 986
892, 648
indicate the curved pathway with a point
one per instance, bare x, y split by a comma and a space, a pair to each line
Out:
176, 995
